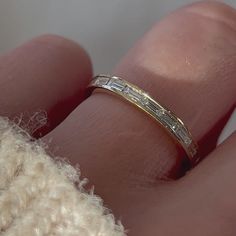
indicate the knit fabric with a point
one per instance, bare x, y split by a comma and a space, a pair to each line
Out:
43, 196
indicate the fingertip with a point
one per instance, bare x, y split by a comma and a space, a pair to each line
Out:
49, 73
68, 51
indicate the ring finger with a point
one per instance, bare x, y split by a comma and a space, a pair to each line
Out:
186, 62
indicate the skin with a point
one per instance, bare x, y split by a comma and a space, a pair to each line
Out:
187, 62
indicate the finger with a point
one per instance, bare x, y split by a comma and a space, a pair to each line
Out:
184, 63
200, 203
42, 81
219, 167
118, 147
209, 192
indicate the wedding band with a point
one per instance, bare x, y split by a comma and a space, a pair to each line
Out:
145, 102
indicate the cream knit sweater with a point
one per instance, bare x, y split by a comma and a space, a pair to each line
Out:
44, 196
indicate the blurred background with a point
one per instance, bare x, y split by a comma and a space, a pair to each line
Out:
105, 28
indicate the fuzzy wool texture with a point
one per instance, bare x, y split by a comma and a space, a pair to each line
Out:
43, 196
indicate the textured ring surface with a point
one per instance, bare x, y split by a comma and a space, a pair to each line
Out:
145, 102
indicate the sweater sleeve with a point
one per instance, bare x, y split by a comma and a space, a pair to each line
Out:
43, 196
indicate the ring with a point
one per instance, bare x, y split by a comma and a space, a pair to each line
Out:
174, 125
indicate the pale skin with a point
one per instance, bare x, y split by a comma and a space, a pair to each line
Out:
187, 62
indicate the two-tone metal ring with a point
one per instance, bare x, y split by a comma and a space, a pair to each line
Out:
167, 119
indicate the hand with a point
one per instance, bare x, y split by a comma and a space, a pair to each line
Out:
187, 62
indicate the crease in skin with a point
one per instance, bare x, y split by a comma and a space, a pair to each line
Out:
214, 15
134, 132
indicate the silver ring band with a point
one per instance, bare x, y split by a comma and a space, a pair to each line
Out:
145, 102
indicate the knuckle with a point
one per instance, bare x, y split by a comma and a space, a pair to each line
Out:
217, 11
